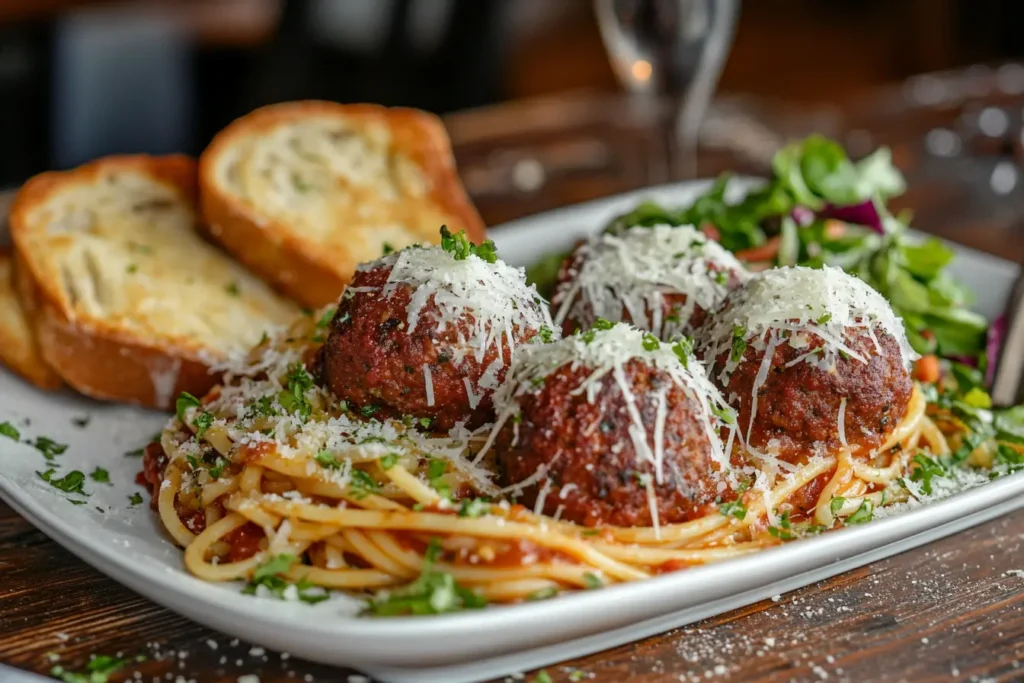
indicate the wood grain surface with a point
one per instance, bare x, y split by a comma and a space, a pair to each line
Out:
952, 610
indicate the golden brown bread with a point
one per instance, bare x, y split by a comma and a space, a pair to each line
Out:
302, 192
18, 350
128, 302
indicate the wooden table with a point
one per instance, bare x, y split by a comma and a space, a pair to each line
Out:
953, 610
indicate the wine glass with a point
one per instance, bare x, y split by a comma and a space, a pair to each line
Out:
674, 50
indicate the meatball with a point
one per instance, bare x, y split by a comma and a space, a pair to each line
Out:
597, 427
424, 334
662, 279
811, 360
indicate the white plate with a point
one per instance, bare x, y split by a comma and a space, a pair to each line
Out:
127, 544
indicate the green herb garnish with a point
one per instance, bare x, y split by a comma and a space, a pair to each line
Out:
433, 592
865, 513
9, 430
98, 670
739, 343
70, 483
184, 402
269, 576
734, 509
474, 507
461, 248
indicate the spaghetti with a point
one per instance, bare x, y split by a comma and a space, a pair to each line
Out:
268, 471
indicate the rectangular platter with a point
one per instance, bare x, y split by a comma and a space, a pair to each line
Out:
125, 542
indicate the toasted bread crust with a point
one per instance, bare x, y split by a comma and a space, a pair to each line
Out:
93, 354
299, 267
18, 346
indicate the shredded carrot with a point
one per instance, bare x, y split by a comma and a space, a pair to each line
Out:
927, 369
835, 229
711, 231
764, 252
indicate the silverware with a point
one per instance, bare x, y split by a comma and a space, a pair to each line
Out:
1008, 384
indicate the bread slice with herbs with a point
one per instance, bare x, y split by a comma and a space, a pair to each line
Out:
18, 350
302, 192
127, 300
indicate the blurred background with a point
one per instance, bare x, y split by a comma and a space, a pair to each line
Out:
543, 108
82, 78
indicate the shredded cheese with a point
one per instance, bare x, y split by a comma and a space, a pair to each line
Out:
606, 352
632, 273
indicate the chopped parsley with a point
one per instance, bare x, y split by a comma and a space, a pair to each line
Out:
425, 422
603, 324
683, 350
386, 249
734, 509
9, 430
70, 483
135, 499
326, 459
233, 289
326, 318
269, 576
48, 447
362, 483
98, 670
650, 342
474, 507
865, 513
100, 476
202, 422
436, 469
588, 336
218, 468
81, 422
836, 504
547, 335
369, 410
824, 319
264, 407
784, 531
433, 592
293, 399
543, 593
592, 580
739, 343
725, 413
388, 461
925, 470
184, 402
542, 677
459, 246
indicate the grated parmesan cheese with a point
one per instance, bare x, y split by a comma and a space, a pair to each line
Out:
631, 273
800, 303
606, 353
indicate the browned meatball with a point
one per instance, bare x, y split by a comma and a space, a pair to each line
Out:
661, 279
445, 369
820, 368
576, 448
